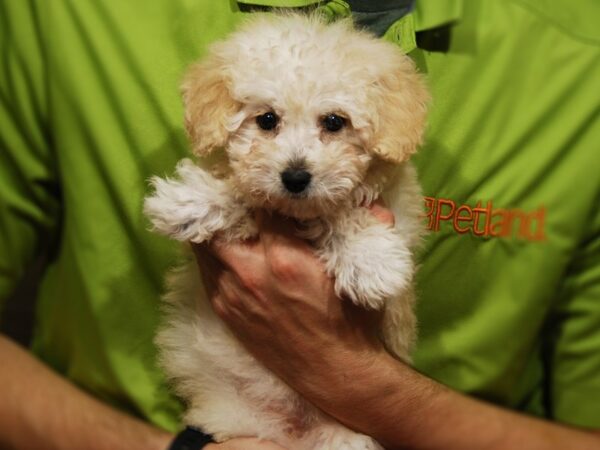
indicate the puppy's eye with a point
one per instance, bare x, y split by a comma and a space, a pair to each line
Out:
333, 122
267, 121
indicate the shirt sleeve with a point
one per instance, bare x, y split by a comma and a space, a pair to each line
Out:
573, 358
29, 194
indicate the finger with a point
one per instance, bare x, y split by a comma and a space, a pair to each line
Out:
382, 213
218, 305
212, 268
208, 265
236, 255
227, 298
204, 257
231, 292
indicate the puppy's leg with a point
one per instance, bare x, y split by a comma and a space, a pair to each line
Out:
227, 410
371, 261
195, 206
228, 416
333, 436
373, 267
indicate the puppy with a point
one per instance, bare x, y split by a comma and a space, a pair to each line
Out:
313, 121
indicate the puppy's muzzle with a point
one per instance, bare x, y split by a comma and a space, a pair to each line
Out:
295, 180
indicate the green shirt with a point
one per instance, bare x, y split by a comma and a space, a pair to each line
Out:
509, 284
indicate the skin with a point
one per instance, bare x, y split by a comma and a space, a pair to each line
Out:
39, 409
276, 298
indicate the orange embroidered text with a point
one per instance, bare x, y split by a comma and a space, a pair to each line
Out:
485, 220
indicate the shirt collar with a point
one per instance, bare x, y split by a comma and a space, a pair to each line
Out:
428, 13
395, 20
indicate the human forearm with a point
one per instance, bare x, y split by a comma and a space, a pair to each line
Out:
403, 409
39, 409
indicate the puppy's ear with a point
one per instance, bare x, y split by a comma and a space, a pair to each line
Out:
401, 112
208, 106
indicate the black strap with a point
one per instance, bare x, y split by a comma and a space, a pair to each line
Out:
191, 438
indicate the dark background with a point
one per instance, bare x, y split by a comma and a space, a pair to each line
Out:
17, 317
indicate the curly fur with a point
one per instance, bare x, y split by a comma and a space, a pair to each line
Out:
301, 69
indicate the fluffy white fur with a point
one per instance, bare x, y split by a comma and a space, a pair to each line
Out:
301, 69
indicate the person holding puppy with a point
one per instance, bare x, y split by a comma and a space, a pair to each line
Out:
509, 277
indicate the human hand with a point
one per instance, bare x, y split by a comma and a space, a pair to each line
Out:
274, 294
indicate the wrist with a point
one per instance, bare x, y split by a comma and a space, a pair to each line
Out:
366, 374
344, 370
375, 387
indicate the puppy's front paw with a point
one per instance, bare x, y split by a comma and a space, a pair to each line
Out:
192, 207
373, 267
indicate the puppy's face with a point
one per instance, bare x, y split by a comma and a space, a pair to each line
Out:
302, 157
302, 109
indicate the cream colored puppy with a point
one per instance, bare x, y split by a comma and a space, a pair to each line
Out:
313, 121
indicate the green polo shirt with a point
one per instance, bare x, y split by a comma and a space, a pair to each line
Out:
509, 284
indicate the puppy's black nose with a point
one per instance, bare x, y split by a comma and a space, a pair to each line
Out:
295, 180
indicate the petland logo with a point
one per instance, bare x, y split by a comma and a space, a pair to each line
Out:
485, 221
